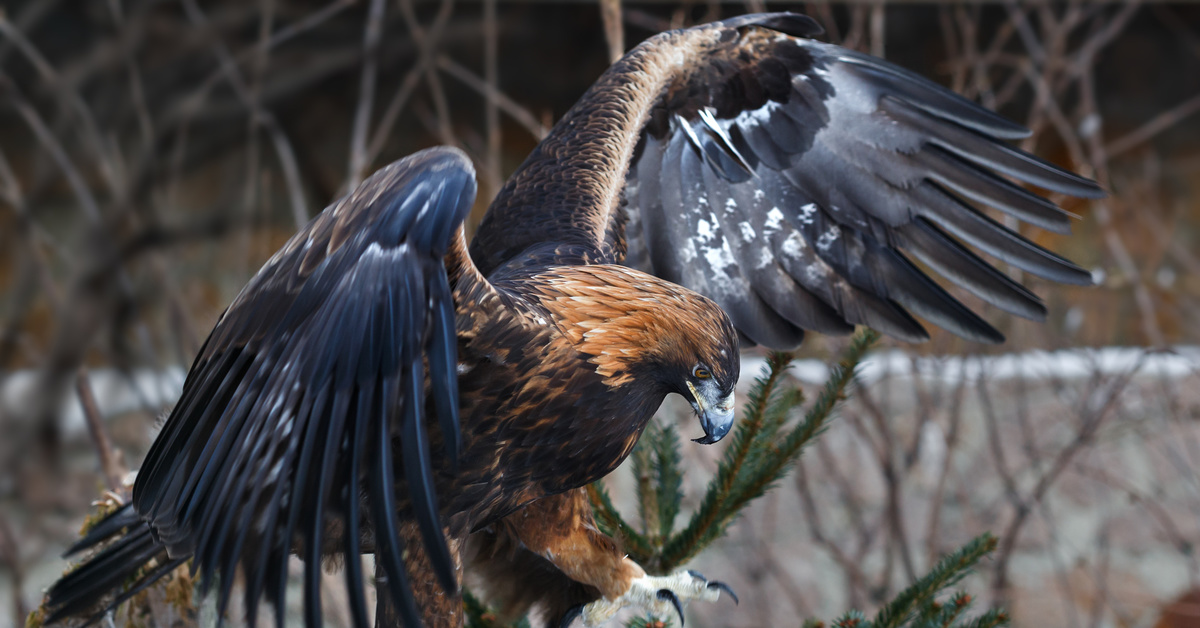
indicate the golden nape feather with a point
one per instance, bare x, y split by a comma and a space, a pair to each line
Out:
622, 317
375, 388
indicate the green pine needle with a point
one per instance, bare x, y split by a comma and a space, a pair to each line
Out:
990, 619
668, 468
645, 487
611, 523
852, 619
934, 614
946, 573
756, 458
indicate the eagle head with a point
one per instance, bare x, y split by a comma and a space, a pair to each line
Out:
645, 333
697, 357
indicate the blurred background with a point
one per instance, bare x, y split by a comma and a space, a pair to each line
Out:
154, 153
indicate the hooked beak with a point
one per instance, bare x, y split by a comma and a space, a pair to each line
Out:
715, 417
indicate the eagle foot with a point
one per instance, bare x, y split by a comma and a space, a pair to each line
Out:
660, 596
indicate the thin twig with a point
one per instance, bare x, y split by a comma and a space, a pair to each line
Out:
83, 193
878, 28
110, 459
283, 147
614, 31
425, 56
372, 33
518, 113
491, 113
1156, 125
444, 126
10, 556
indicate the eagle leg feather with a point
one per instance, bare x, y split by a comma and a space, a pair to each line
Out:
561, 530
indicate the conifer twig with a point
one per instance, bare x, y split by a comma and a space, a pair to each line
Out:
612, 524
669, 472
756, 463
647, 492
946, 573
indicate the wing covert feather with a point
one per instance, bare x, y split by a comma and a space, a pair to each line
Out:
793, 182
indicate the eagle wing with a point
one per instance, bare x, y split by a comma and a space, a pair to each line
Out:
791, 181
292, 407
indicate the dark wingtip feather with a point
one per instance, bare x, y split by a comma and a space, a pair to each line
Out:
419, 478
977, 148
939, 251
984, 187
358, 430
1089, 189
116, 521
956, 217
383, 509
443, 367
140, 586
924, 94
914, 290
82, 588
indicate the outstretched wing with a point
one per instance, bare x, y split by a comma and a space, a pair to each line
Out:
791, 181
318, 368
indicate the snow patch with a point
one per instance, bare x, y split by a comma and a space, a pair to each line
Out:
1174, 363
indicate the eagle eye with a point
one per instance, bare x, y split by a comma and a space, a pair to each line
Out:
701, 373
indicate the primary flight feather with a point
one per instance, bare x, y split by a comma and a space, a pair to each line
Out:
379, 387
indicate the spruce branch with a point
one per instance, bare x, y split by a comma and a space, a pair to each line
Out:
668, 469
611, 523
918, 606
754, 462
991, 619
657, 469
645, 486
934, 614
946, 573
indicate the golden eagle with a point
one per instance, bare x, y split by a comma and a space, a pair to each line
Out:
380, 388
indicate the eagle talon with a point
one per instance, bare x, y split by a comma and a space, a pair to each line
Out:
716, 584
659, 596
669, 595
721, 586
573, 613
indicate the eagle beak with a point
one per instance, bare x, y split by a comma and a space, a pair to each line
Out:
716, 416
